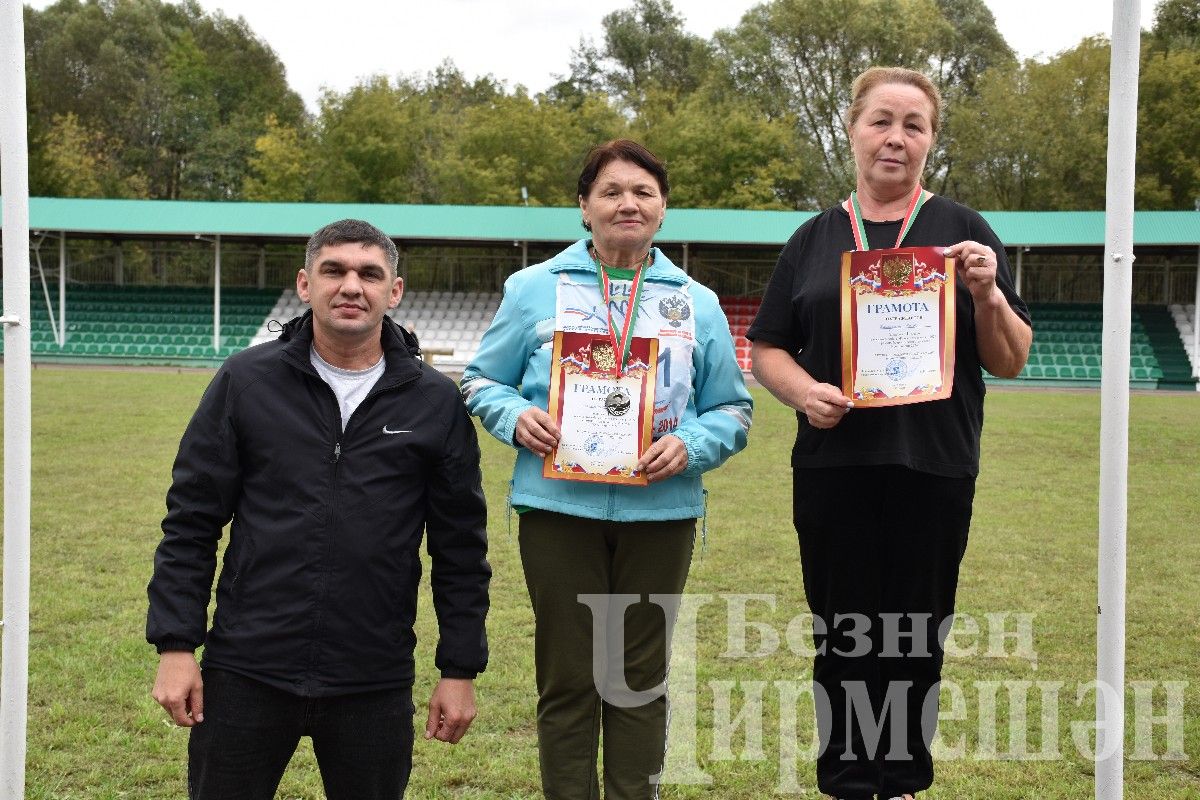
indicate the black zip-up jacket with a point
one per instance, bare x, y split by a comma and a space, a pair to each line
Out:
318, 587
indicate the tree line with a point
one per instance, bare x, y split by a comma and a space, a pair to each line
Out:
148, 99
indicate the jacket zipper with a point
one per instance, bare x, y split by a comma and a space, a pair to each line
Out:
330, 525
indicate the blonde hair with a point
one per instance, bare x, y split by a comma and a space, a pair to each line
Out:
879, 76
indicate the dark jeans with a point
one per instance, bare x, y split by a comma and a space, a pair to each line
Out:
881, 547
363, 742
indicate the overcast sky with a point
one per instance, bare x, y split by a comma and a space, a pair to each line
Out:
530, 41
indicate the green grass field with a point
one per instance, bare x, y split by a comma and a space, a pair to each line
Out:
103, 444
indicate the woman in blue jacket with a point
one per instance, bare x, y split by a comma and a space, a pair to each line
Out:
584, 541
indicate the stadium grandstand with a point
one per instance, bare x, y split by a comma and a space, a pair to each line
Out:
189, 283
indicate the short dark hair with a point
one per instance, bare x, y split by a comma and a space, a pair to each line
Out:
350, 231
621, 150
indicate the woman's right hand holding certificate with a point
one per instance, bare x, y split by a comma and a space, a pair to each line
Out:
825, 405
822, 403
536, 431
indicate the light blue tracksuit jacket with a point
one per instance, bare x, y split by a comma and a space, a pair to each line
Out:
511, 373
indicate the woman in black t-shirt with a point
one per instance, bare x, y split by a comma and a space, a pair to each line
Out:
882, 496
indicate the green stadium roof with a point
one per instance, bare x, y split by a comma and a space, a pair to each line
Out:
483, 224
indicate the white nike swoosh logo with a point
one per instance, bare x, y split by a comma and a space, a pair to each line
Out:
385, 430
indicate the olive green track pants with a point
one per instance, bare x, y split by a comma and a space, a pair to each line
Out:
600, 647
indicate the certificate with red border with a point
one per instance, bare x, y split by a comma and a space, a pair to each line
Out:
604, 419
897, 326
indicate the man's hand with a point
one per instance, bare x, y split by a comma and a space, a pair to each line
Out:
451, 710
178, 687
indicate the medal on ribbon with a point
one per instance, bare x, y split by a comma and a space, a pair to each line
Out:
602, 393
620, 341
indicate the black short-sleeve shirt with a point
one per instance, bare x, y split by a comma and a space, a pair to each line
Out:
801, 313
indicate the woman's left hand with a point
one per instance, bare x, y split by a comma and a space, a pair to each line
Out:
976, 265
663, 459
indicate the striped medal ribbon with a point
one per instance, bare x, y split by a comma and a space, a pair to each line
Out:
860, 230
621, 344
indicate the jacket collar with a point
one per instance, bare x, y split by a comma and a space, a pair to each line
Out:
400, 349
577, 259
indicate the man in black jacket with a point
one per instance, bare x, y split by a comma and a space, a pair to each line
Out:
329, 452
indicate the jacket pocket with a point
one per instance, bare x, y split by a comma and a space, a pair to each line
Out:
401, 610
230, 601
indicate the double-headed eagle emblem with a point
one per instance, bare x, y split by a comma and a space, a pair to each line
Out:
897, 270
675, 309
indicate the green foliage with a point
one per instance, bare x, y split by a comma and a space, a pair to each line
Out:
142, 98
518, 141
1168, 159
721, 154
1176, 25
974, 47
281, 167
373, 144
171, 97
1035, 137
77, 162
645, 49
441, 139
